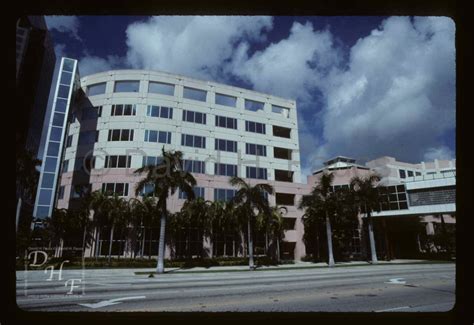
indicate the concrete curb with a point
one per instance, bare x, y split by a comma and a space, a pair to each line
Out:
286, 267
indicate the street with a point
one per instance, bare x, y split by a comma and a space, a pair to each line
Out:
378, 288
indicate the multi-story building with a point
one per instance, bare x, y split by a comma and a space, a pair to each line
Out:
106, 125
417, 195
121, 120
421, 194
35, 61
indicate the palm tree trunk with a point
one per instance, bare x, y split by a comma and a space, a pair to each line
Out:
18, 209
111, 241
149, 245
249, 228
161, 246
266, 242
84, 241
142, 249
97, 244
278, 250
373, 252
329, 238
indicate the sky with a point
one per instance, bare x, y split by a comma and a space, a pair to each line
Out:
365, 87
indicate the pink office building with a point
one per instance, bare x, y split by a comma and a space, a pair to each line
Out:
120, 120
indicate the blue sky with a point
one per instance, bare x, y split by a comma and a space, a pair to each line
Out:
365, 86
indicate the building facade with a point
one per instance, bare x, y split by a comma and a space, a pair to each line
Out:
35, 61
106, 125
120, 121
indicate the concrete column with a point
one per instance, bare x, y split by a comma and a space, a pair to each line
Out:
207, 246
429, 228
167, 251
89, 249
300, 248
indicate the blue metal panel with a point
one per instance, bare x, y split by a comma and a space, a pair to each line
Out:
55, 139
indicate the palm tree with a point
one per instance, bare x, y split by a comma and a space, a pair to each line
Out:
251, 198
217, 216
58, 226
84, 220
27, 174
368, 199
276, 226
166, 177
320, 204
116, 212
143, 214
194, 215
97, 202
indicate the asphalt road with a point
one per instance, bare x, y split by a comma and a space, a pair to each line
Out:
379, 288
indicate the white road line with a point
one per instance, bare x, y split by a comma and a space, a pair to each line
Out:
396, 281
110, 302
391, 309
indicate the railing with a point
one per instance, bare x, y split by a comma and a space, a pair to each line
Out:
429, 177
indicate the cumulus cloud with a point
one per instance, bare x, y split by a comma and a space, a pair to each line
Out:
291, 68
90, 64
60, 50
196, 46
441, 152
397, 95
64, 24
392, 94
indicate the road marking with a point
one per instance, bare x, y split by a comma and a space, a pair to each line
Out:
391, 309
396, 281
111, 302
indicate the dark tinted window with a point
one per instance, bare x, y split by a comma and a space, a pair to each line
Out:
196, 94
63, 91
96, 89
226, 100
161, 88
55, 134
126, 86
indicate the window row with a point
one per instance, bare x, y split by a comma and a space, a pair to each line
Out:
198, 193
404, 173
157, 136
255, 127
117, 161
90, 137
123, 110
120, 135
225, 169
255, 149
120, 189
160, 111
188, 116
225, 145
195, 141
194, 117
255, 172
188, 93
194, 166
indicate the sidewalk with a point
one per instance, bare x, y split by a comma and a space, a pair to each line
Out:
297, 265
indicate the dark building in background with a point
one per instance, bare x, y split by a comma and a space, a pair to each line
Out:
35, 64
35, 61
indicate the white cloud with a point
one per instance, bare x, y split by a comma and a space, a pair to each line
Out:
397, 95
441, 152
196, 46
291, 68
90, 64
64, 24
59, 50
